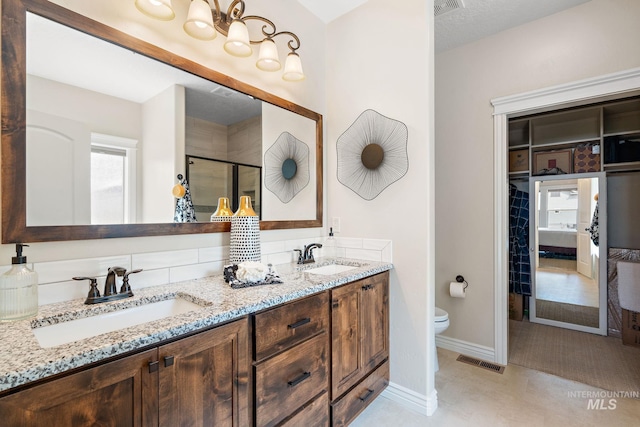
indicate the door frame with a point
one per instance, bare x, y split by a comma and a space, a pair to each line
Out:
602, 259
609, 86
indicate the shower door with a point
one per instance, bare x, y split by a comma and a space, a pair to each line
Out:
568, 261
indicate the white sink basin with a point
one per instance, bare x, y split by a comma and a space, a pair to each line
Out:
330, 269
74, 330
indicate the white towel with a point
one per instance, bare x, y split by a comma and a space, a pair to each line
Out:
629, 285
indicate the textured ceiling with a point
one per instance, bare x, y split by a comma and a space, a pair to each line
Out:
479, 18
482, 18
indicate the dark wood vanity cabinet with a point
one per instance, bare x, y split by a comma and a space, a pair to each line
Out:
117, 393
204, 379
313, 362
360, 345
291, 363
200, 380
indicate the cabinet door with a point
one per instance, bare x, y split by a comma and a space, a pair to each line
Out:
374, 316
359, 330
120, 394
345, 336
204, 378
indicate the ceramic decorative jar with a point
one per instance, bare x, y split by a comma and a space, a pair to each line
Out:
245, 234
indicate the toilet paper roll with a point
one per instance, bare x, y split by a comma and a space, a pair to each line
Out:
456, 290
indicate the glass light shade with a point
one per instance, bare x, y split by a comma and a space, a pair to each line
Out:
268, 58
199, 23
293, 68
237, 43
158, 9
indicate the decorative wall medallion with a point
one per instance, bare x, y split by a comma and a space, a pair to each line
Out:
286, 165
372, 154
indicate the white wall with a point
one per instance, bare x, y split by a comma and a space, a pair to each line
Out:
123, 15
162, 154
102, 113
380, 56
595, 38
82, 111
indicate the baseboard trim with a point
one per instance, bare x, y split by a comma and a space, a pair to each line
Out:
468, 349
411, 400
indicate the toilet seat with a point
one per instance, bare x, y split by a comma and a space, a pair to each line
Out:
441, 315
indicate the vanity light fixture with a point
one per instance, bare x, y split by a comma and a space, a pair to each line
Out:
205, 20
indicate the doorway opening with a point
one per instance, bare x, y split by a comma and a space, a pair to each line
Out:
607, 87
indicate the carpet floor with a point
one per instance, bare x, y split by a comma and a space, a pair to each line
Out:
568, 313
587, 358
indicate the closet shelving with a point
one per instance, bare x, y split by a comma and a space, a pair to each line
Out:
611, 128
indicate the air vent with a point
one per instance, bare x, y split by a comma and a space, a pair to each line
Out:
445, 6
223, 91
481, 364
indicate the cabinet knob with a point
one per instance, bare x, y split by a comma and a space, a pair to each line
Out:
335, 303
153, 366
367, 287
168, 361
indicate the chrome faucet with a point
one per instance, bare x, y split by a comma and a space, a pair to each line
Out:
306, 256
110, 289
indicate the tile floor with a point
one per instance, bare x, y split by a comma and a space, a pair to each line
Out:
555, 284
472, 396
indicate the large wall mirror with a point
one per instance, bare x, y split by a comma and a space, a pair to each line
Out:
97, 125
568, 240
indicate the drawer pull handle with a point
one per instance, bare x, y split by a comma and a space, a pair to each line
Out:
298, 380
168, 361
153, 367
367, 287
367, 395
299, 323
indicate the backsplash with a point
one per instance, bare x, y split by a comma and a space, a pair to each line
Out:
159, 268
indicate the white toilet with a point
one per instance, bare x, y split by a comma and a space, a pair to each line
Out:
441, 318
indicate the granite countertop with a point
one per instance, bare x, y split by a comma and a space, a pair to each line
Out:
23, 360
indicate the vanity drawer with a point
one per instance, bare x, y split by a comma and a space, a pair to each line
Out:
285, 326
351, 404
289, 380
314, 414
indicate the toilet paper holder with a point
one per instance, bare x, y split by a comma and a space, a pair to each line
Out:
460, 279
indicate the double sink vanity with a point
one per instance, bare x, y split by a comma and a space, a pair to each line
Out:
312, 350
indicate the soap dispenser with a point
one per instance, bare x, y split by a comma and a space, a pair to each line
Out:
18, 289
329, 248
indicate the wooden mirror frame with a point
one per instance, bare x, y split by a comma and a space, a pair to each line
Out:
13, 142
